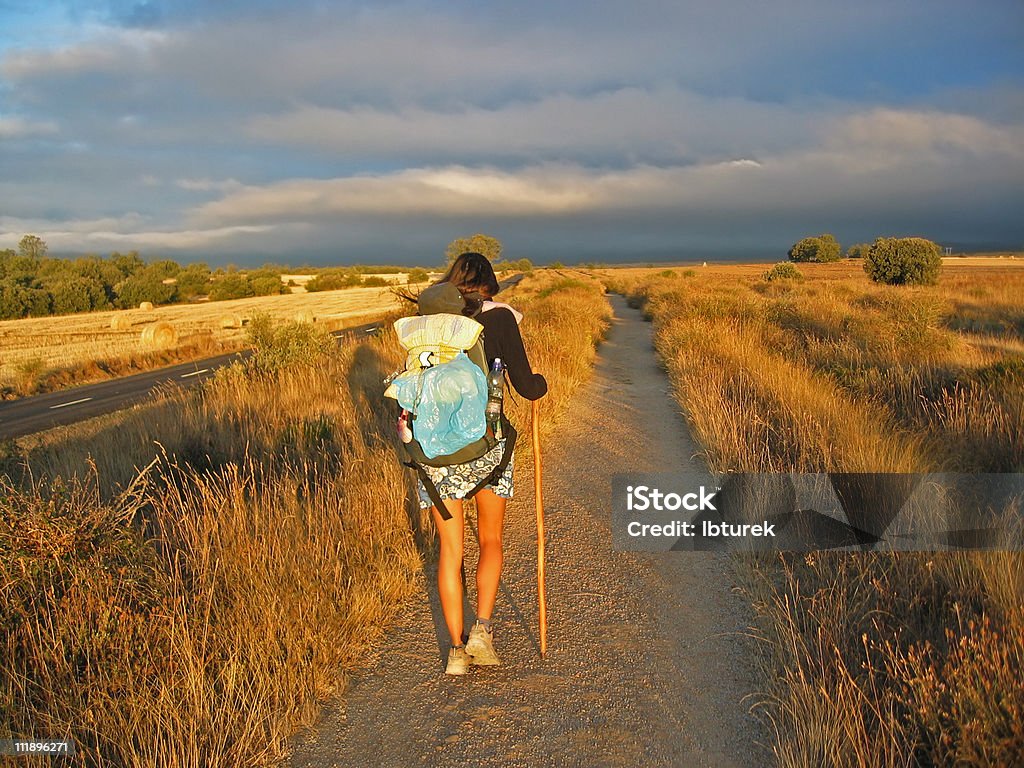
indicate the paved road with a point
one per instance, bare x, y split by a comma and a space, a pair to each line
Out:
54, 409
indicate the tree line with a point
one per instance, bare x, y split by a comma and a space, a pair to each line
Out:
34, 284
891, 260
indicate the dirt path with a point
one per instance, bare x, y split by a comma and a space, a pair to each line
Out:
647, 662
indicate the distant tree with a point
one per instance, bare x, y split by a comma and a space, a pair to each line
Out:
77, 294
15, 266
231, 286
12, 300
193, 280
96, 268
127, 263
32, 247
903, 261
267, 285
478, 243
7, 257
821, 248
417, 275
858, 251
333, 279
163, 268
136, 289
50, 269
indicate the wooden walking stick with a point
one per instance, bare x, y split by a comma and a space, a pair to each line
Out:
539, 496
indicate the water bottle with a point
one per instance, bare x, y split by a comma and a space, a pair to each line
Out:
495, 393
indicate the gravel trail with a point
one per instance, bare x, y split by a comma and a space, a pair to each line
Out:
648, 662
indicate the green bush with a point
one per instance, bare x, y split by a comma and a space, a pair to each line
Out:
903, 261
333, 279
417, 275
858, 251
267, 285
231, 286
139, 288
784, 270
18, 300
193, 280
289, 343
77, 294
821, 249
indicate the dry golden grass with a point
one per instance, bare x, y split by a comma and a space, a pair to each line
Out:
871, 659
67, 341
196, 612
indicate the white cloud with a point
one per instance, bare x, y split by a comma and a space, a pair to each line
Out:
127, 231
927, 131
209, 185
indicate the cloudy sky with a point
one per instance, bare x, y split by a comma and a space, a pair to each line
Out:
331, 132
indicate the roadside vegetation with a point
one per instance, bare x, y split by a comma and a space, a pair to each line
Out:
186, 583
35, 284
871, 659
49, 353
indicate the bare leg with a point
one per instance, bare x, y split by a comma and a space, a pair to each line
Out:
490, 521
449, 567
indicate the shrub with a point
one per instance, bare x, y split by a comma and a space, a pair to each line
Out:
858, 251
289, 343
78, 294
138, 288
784, 270
193, 280
903, 261
331, 280
417, 275
17, 301
821, 249
233, 286
28, 372
267, 286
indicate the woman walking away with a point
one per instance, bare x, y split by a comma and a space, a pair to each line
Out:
474, 276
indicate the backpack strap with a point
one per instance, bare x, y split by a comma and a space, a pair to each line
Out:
431, 489
490, 479
506, 456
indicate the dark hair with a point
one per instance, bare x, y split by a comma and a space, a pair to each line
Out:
473, 275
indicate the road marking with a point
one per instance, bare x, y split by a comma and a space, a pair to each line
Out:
73, 402
194, 373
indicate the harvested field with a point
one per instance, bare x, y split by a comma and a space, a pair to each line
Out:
67, 340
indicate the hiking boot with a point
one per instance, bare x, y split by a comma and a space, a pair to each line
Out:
458, 661
481, 646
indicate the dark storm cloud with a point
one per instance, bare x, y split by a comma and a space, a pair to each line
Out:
244, 127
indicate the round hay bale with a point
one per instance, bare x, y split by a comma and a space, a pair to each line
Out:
305, 316
146, 305
159, 335
120, 322
231, 321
